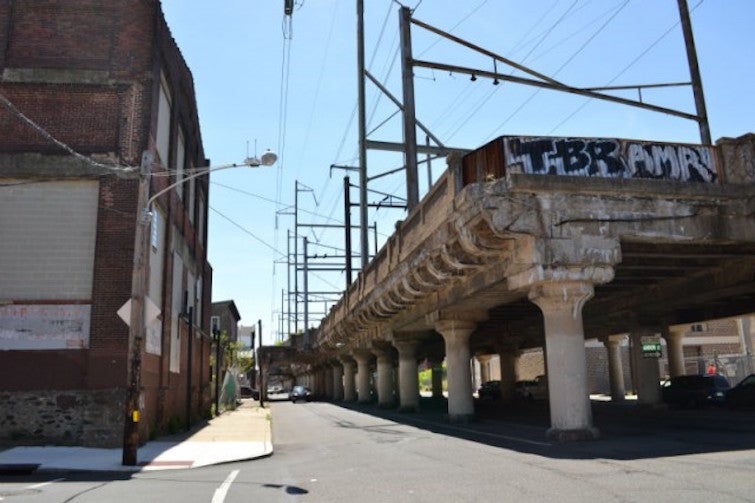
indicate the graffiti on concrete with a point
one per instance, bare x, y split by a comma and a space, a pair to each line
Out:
31, 326
609, 158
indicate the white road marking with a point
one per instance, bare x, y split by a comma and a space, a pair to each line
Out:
222, 491
42, 484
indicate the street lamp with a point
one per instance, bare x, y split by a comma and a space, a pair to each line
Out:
139, 288
267, 159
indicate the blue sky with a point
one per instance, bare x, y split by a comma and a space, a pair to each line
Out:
289, 84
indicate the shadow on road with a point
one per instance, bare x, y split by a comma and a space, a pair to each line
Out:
627, 431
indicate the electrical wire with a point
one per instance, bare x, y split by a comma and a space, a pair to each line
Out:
275, 202
563, 65
490, 94
114, 169
621, 72
248, 232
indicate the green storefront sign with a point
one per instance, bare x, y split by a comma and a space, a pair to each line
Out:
651, 347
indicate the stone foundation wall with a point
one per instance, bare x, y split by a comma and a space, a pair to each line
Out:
89, 418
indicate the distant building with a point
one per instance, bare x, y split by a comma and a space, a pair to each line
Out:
226, 317
106, 79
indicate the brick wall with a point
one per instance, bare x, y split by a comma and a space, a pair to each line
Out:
80, 35
88, 72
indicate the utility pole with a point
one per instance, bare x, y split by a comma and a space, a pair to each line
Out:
694, 72
216, 337
347, 227
288, 279
409, 115
364, 241
137, 322
306, 297
296, 256
189, 358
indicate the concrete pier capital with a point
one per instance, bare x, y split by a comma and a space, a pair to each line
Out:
539, 274
362, 356
562, 295
613, 340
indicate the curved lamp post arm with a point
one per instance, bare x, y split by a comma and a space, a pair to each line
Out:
268, 159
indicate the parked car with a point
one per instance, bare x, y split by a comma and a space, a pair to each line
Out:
489, 390
742, 395
300, 393
695, 390
249, 392
533, 389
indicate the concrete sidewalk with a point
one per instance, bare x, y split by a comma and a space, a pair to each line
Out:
238, 435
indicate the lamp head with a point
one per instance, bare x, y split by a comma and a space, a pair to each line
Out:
268, 159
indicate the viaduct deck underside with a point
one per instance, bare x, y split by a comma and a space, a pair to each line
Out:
678, 253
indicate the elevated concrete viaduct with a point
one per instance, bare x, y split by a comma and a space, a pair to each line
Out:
544, 242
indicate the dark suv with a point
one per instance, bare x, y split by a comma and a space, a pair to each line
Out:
695, 390
300, 393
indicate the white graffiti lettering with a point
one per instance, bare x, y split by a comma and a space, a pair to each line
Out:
610, 158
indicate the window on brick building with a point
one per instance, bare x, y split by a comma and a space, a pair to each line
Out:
176, 310
201, 221
180, 159
162, 136
192, 197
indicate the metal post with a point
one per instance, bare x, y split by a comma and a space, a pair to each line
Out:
306, 297
190, 361
694, 72
296, 256
347, 227
429, 161
216, 336
365, 252
136, 327
410, 123
288, 278
256, 342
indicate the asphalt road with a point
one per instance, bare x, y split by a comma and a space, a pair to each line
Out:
326, 453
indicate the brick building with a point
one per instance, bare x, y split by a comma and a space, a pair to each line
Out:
106, 79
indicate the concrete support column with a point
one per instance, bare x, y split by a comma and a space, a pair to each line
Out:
437, 378
363, 358
338, 382
313, 382
328, 377
384, 377
456, 335
397, 382
320, 390
561, 303
508, 357
675, 351
647, 374
615, 367
349, 383
408, 377
484, 361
